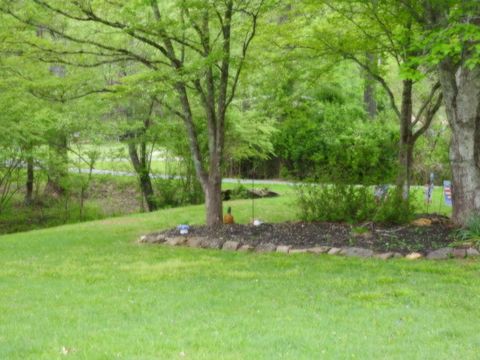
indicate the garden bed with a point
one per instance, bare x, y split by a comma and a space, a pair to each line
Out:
402, 239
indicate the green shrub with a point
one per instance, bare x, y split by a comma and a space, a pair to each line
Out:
394, 209
173, 192
471, 232
351, 203
239, 192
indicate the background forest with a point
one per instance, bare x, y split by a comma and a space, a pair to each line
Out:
181, 94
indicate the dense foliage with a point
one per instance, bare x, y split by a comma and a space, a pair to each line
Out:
335, 91
352, 203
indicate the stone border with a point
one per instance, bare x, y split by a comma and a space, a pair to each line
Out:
230, 245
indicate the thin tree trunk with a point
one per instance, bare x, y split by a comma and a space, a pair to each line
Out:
140, 166
406, 140
461, 90
405, 172
30, 181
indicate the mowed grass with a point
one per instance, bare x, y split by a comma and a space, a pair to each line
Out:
89, 291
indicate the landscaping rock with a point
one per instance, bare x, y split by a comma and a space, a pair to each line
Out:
231, 245
472, 252
459, 253
440, 254
195, 242
246, 248
176, 241
384, 256
318, 250
266, 247
283, 249
152, 239
298, 251
357, 252
414, 256
397, 255
334, 251
212, 243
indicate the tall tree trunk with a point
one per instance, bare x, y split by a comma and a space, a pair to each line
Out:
213, 200
461, 90
30, 181
406, 140
140, 165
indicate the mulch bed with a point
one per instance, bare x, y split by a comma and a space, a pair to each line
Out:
404, 239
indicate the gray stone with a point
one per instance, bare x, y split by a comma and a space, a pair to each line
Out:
334, 251
176, 241
459, 253
285, 249
246, 248
472, 252
440, 254
231, 245
195, 242
265, 247
357, 252
318, 250
397, 255
385, 256
212, 243
298, 251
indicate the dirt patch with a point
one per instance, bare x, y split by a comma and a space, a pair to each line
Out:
402, 239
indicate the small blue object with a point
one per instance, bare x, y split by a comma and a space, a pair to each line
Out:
183, 229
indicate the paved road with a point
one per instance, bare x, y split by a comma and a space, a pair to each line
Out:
225, 180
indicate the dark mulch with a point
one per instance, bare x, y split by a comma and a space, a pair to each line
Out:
405, 238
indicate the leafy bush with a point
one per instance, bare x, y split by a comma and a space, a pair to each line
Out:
240, 192
394, 209
10, 166
471, 232
351, 203
312, 145
173, 192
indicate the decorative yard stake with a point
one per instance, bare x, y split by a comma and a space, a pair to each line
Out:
429, 190
447, 190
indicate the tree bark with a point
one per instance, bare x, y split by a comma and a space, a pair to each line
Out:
213, 200
29, 182
406, 140
140, 166
461, 90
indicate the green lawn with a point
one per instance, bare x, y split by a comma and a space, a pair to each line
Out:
92, 289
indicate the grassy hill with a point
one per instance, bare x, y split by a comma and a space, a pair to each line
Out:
89, 291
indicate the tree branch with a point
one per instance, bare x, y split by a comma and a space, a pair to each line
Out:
426, 103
